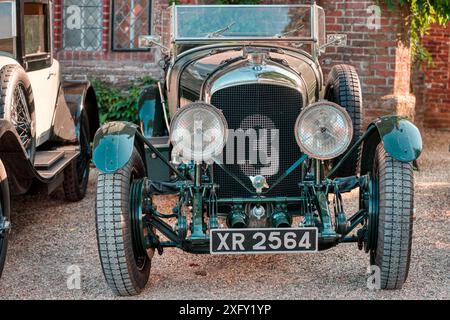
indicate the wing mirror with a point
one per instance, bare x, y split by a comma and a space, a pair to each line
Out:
338, 40
148, 41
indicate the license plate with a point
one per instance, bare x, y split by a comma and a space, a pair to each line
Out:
268, 240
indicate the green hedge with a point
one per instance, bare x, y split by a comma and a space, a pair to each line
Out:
119, 104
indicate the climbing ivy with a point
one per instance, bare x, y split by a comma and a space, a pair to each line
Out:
423, 13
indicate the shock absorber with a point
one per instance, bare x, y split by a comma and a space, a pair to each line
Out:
341, 219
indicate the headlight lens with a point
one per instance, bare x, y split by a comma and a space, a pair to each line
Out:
198, 132
323, 130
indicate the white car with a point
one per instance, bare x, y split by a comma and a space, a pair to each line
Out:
46, 124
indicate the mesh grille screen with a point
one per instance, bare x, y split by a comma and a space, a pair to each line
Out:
260, 106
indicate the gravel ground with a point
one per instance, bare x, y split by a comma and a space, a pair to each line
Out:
50, 235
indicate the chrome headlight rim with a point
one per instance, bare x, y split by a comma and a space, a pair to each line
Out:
342, 111
200, 105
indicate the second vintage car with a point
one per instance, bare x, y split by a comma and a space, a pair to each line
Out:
46, 125
258, 147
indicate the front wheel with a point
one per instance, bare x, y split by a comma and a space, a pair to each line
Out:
390, 231
126, 264
17, 105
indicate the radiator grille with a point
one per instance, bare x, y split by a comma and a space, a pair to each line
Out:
261, 106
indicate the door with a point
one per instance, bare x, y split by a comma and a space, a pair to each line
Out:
42, 70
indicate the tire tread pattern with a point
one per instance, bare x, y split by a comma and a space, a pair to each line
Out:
114, 232
395, 226
344, 88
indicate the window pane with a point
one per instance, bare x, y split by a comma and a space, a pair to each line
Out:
82, 25
131, 19
34, 28
7, 45
7, 17
273, 21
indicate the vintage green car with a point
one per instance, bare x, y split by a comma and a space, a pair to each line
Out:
258, 147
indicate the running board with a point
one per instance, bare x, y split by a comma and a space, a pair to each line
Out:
46, 159
52, 162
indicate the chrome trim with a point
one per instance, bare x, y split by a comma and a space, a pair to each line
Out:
244, 72
195, 54
331, 105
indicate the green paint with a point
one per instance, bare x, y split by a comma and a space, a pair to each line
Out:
401, 139
113, 146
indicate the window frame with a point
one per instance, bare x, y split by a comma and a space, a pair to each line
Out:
80, 48
33, 62
112, 29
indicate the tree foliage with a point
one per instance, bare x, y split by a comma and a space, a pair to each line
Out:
423, 14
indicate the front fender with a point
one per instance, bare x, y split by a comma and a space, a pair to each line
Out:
401, 139
75, 97
14, 157
113, 145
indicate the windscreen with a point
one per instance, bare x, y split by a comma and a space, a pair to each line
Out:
237, 22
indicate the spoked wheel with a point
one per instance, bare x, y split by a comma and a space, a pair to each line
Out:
21, 119
76, 174
4, 216
120, 228
389, 201
17, 105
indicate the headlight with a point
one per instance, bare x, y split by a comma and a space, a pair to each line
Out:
323, 130
198, 132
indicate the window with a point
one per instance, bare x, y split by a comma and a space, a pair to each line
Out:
36, 40
8, 29
131, 19
82, 25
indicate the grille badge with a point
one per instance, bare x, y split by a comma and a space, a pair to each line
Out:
259, 182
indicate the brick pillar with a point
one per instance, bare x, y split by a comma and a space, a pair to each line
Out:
57, 25
381, 55
106, 23
432, 82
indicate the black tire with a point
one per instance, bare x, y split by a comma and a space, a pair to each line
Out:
4, 215
343, 87
395, 223
125, 274
17, 105
76, 174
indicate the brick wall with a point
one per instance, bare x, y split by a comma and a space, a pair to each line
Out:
432, 83
381, 56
